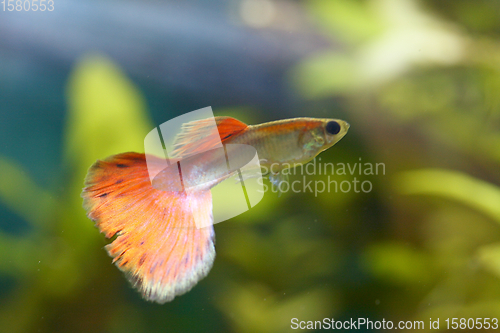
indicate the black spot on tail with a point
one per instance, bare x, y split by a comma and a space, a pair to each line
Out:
143, 258
103, 195
135, 280
122, 165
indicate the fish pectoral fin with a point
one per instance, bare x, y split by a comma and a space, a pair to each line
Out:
277, 179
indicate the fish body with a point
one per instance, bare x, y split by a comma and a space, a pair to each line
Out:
291, 141
279, 144
158, 245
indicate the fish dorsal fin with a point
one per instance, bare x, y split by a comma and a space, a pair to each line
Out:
199, 135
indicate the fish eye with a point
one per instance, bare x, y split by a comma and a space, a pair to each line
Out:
333, 127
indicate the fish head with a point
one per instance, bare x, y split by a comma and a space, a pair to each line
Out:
333, 131
324, 134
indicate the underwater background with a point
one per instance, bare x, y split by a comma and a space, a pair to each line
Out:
418, 80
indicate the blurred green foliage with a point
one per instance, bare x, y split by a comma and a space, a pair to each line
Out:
56, 262
422, 92
419, 83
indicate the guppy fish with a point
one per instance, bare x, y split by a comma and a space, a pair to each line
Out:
158, 245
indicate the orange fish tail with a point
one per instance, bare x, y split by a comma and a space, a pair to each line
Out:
158, 245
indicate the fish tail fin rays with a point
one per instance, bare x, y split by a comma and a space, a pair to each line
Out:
202, 135
158, 245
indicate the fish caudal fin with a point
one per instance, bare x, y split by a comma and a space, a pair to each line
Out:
201, 135
158, 245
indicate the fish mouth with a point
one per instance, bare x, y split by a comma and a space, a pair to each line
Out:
345, 127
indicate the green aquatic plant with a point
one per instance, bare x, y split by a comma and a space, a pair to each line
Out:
57, 260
